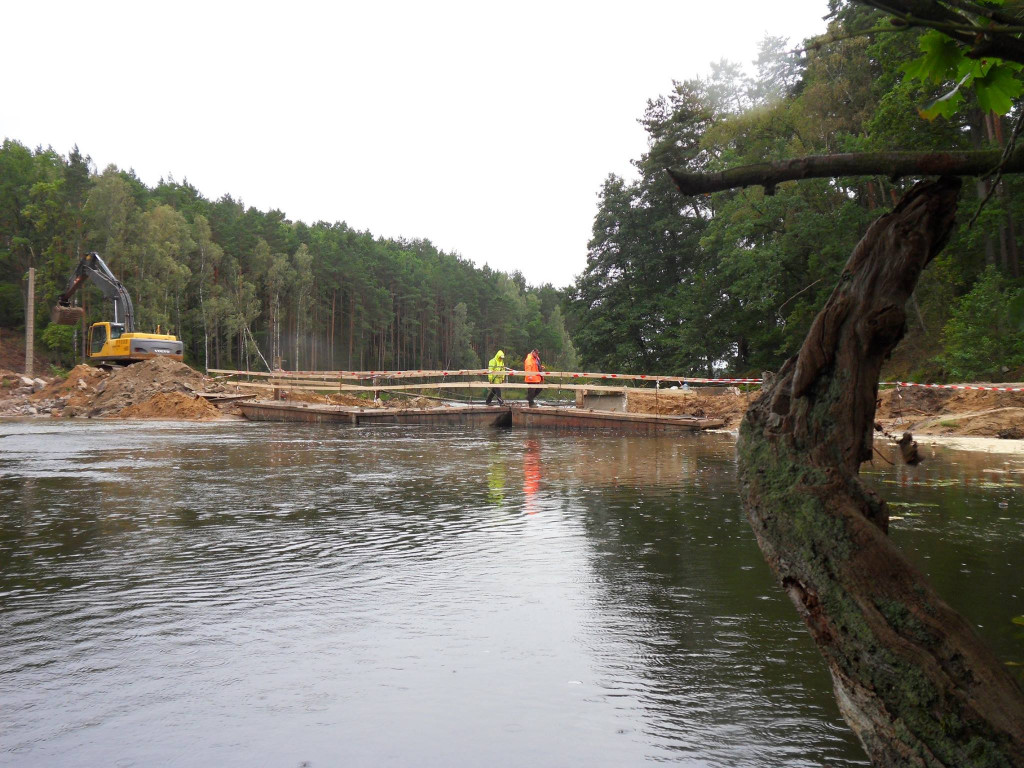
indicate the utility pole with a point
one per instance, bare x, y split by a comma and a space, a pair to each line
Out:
30, 323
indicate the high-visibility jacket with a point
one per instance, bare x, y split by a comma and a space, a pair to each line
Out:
532, 369
495, 365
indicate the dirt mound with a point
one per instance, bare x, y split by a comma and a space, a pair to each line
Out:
979, 399
81, 381
139, 382
337, 398
171, 405
730, 407
911, 400
968, 412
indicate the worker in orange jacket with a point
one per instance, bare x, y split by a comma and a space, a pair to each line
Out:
533, 368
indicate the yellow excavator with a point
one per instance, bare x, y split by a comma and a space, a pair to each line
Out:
116, 342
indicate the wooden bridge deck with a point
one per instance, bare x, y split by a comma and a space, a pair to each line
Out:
477, 415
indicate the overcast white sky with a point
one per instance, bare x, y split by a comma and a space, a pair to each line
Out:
486, 128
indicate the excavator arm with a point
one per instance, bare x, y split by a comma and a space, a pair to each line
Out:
92, 267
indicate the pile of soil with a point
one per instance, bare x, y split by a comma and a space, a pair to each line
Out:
136, 383
158, 388
727, 406
973, 413
337, 398
911, 402
171, 405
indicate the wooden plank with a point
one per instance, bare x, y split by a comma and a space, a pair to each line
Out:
311, 386
572, 375
223, 397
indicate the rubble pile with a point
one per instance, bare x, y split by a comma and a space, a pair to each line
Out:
135, 384
17, 388
158, 388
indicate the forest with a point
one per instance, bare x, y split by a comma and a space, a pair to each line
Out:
729, 283
242, 287
720, 284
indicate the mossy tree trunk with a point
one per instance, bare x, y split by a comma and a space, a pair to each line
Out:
912, 678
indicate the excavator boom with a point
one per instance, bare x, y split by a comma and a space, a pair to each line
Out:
92, 267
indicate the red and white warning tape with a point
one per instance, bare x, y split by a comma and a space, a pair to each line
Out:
953, 386
668, 380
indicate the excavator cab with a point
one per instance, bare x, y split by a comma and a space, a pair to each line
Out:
100, 334
97, 338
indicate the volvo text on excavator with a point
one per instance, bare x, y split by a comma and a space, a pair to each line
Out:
112, 342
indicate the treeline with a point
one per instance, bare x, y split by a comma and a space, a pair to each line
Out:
242, 286
730, 282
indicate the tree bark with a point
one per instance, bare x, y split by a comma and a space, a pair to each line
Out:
912, 678
891, 164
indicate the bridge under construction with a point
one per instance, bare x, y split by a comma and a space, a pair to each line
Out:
598, 400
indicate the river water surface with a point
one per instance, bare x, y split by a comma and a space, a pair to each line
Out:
239, 594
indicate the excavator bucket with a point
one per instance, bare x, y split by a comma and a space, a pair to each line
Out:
66, 315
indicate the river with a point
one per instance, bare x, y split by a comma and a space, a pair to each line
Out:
240, 594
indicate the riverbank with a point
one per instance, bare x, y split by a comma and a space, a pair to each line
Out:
169, 390
155, 389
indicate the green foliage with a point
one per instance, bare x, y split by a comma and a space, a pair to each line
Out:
996, 83
12, 309
59, 339
220, 275
731, 283
986, 330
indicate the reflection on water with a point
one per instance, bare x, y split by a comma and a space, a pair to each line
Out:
531, 475
239, 594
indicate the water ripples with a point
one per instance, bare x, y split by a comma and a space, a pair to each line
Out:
274, 594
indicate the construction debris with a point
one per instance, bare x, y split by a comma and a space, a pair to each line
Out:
160, 388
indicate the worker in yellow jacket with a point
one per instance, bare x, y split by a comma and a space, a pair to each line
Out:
496, 375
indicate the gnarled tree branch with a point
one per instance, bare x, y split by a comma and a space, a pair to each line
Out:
893, 164
984, 30
912, 678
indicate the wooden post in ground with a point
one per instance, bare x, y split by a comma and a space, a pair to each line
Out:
30, 323
85, 332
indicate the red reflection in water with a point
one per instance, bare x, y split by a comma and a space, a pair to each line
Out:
531, 475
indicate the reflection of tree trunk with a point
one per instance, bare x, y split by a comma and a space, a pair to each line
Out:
912, 679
